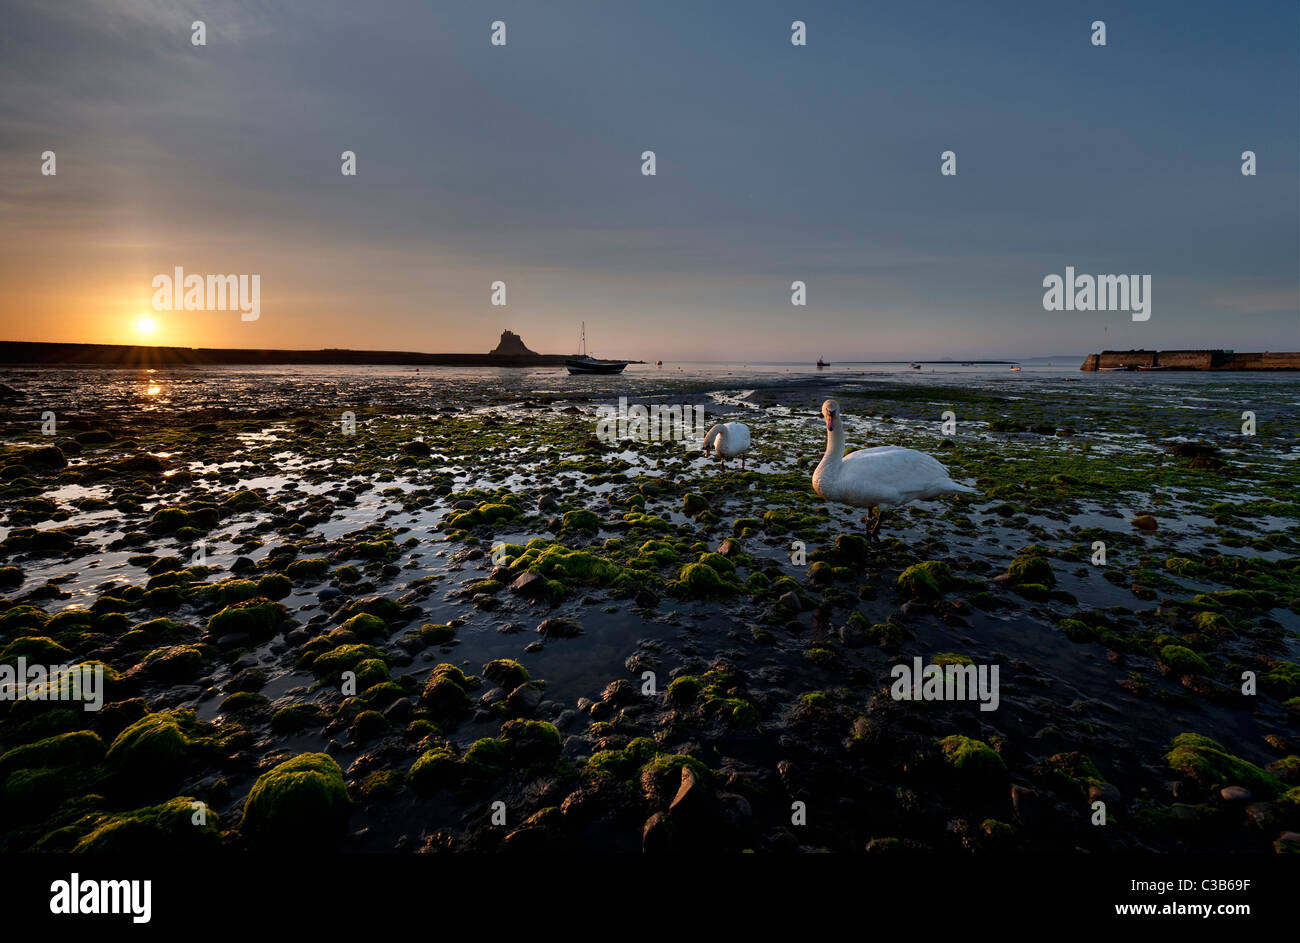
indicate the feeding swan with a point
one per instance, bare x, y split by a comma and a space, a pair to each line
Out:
732, 439
879, 477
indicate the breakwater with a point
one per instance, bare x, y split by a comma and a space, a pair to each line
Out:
1192, 360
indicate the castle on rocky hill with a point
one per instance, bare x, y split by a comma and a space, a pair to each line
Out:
512, 345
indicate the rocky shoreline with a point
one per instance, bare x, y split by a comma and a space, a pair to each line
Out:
478, 627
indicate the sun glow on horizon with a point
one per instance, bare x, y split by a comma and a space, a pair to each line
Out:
146, 325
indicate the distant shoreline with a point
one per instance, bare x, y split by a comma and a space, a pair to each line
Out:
40, 353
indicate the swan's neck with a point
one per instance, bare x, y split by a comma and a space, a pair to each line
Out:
834, 457
717, 434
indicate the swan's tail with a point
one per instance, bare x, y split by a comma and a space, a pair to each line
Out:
954, 488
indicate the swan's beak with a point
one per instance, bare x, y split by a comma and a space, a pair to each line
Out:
830, 423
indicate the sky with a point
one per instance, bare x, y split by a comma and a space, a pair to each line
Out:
774, 163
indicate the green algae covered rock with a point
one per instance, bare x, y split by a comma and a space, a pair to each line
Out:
303, 801
972, 758
295, 717
1205, 761
366, 625
1077, 769
169, 520
1181, 566
1030, 568
311, 568
485, 513
852, 548
683, 691
77, 748
661, 776
437, 633
531, 741
1076, 630
274, 586
371, 672
506, 672
574, 566
169, 827
175, 663
1183, 661
701, 581
381, 606
329, 667
579, 522
243, 500
487, 758
254, 617
445, 693
718, 563
435, 769
1282, 680
621, 763
693, 504
928, 580
36, 649
156, 750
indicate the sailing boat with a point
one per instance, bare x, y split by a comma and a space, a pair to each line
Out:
821, 363
587, 364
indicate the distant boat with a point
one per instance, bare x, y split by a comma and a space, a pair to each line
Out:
916, 366
659, 363
1141, 367
586, 364
1014, 369
1125, 367
821, 363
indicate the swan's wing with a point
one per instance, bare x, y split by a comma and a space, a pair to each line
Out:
901, 468
737, 437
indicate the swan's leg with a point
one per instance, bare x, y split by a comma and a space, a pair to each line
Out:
875, 524
742, 461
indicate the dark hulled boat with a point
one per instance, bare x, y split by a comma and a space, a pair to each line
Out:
585, 364
592, 365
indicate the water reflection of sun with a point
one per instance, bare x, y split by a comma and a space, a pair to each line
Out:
153, 390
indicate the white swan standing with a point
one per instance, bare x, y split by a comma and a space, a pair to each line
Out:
879, 477
732, 439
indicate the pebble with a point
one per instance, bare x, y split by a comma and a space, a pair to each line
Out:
619, 693
1287, 842
1104, 792
1264, 816
523, 700
1027, 804
559, 627
655, 834
528, 584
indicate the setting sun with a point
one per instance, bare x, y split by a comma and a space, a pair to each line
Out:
146, 325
